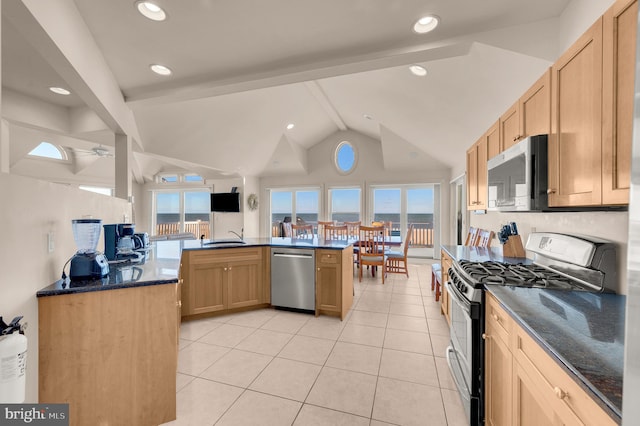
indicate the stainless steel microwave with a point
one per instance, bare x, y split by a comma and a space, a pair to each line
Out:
517, 177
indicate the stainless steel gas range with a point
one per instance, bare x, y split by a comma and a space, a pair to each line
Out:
560, 262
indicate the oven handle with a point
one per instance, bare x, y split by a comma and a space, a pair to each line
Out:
460, 384
464, 304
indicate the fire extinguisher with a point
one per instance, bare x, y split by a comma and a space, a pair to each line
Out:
13, 361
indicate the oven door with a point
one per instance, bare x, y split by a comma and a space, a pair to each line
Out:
461, 337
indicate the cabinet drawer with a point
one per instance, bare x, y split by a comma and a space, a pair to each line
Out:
497, 319
328, 256
565, 396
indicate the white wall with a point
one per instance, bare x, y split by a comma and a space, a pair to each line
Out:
30, 210
369, 171
225, 222
251, 217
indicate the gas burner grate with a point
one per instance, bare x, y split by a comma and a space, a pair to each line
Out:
519, 275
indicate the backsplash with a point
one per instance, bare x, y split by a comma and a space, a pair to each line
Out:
613, 226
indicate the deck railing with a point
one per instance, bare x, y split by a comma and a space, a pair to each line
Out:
197, 228
422, 235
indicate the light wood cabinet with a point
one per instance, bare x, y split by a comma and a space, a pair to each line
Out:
446, 262
530, 115
524, 385
477, 175
498, 365
223, 279
334, 281
111, 355
510, 127
575, 142
619, 52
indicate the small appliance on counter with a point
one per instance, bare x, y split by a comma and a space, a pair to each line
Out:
119, 243
87, 263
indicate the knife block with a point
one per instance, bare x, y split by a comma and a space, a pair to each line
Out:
513, 247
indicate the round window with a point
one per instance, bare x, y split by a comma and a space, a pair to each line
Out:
345, 157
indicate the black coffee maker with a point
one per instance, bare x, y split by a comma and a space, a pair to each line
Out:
119, 242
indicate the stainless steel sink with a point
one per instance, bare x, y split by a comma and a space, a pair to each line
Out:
225, 243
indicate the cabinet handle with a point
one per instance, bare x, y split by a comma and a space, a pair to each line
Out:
516, 138
179, 303
225, 269
560, 393
551, 191
495, 317
318, 269
485, 336
229, 267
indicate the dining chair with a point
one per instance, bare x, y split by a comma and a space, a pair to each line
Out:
396, 261
353, 233
371, 247
302, 231
321, 226
287, 231
335, 232
484, 238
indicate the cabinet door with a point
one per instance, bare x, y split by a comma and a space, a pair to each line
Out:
619, 53
529, 407
498, 380
535, 108
482, 175
472, 177
328, 281
575, 143
510, 127
207, 287
245, 283
493, 140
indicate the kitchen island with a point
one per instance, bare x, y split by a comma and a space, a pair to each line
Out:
581, 333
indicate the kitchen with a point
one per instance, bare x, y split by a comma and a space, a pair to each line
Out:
33, 232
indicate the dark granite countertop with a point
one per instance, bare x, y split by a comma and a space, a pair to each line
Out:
582, 331
162, 262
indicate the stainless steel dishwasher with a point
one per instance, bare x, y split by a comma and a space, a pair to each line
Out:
293, 278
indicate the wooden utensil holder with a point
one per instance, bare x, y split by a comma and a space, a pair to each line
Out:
513, 247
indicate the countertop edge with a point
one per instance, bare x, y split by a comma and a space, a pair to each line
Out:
94, 288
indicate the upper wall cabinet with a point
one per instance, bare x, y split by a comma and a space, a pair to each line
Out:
531, 115
619, 51
592, 110
575, 142
486, 147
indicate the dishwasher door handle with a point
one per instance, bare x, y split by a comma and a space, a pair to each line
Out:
296, 256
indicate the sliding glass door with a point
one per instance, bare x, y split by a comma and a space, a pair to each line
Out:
293, 205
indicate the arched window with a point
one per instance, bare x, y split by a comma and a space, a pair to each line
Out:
48, 150
345, 158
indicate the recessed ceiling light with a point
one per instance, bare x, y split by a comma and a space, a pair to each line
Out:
160, 69
418, 70
151, 10
426, 24
60, 91
290, 126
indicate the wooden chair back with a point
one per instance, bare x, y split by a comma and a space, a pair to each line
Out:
353, 229
472, 236
321, 225
371, 249
484, 238
335, 232
397, 264
302, 231
287, 231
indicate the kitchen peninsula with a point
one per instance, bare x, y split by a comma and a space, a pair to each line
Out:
109, 347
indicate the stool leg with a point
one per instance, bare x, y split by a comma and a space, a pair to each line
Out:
437, 291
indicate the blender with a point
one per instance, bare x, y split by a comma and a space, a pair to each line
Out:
87, 263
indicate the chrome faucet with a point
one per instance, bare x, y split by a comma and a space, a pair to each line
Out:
241, 235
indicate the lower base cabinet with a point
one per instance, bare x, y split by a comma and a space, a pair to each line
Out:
524, 385
334, 281
446, 262
111, 355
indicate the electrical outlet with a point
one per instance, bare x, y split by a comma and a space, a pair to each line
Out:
50, 242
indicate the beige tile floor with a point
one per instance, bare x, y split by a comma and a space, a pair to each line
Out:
384, 364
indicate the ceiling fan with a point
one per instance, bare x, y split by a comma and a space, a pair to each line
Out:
98, 151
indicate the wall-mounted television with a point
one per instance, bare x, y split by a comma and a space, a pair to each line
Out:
225, 202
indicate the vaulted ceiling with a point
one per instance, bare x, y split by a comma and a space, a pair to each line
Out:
243, 70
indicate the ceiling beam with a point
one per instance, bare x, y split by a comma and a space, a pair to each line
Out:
325, 103
57, 31
208, 85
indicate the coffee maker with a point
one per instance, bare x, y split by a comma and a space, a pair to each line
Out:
119, 242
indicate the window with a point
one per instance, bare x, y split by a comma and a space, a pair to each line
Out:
344, 204
294, 204
193, 178
168, 178
345, 158
97, 190
48, 150
405, 205
183, 211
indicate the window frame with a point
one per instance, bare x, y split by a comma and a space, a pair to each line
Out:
334, 159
